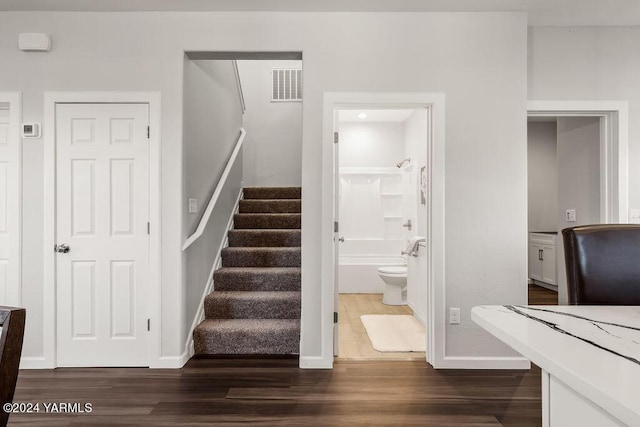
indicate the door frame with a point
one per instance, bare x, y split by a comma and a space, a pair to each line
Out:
614, 148
14, 99
152, 99
435, 102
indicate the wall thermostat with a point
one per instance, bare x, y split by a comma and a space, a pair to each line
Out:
31, 130
34, 42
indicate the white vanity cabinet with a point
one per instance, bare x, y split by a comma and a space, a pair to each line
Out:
542, 258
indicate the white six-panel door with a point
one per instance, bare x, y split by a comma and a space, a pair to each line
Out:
102, 214
9, 202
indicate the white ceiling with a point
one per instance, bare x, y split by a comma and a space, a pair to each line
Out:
541, 12
396, 115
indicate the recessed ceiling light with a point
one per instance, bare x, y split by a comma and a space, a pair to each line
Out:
362, 115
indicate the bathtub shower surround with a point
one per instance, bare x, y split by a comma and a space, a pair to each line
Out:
371, 217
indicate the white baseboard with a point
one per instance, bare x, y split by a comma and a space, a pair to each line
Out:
35, 363
316, 362
171, 362
471, 362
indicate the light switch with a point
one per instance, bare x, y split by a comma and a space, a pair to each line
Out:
634, 216
454, 316
571, 215
193, 205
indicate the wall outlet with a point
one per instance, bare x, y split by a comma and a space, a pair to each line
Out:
571, 215
634, 216
454, 316
193, 205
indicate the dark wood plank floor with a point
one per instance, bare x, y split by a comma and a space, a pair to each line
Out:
270, 392
542, 296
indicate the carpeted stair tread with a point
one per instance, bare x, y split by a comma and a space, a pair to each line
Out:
272, 193
256, 303
252, 305
261, 257
264, 238
264, 220
270, 206
247, 336
257, 279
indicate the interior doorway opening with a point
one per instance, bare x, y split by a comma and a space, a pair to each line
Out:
577, 175
367, 183
382, 162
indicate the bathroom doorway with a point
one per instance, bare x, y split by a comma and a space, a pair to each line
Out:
382, 164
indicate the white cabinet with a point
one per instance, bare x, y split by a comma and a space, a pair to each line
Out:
542, 257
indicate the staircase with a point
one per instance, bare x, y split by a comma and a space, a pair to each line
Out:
255, 305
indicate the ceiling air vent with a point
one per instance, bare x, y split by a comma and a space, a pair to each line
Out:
287, 85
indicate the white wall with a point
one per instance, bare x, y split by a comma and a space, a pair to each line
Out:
478, 60
578, 181
542, 167
371, 144
416, 134
212, 121
273, 145
590, 63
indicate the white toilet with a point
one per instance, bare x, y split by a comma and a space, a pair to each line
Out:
395, 279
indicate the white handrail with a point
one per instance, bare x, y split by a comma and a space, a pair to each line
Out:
216, 194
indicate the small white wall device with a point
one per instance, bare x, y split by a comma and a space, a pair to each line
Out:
31, 130
34, 42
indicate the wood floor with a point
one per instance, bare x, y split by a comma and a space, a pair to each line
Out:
275, 392
542, 296
278, 393
353, 341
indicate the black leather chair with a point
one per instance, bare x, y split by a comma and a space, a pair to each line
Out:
603, 264
12, 324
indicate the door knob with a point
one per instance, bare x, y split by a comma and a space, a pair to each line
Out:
341, 239
62, 248
407, 224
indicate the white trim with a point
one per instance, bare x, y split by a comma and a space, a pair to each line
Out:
316, 362
216, 194
217, 263
614, 148
435, 104
461, 362
49, 226
243, 107
13, 291
172, 362
34, 363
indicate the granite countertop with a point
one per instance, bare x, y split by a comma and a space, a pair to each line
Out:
595, 350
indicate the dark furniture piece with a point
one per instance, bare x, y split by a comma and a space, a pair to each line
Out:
12, 324
603, 264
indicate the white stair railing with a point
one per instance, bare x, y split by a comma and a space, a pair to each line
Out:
202, 225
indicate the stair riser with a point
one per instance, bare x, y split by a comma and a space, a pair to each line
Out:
223, 281
246, 342
217, 308
270, 206
261, 259
264, 238
262, 221
272, 193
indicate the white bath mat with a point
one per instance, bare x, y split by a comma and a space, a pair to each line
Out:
390, 332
